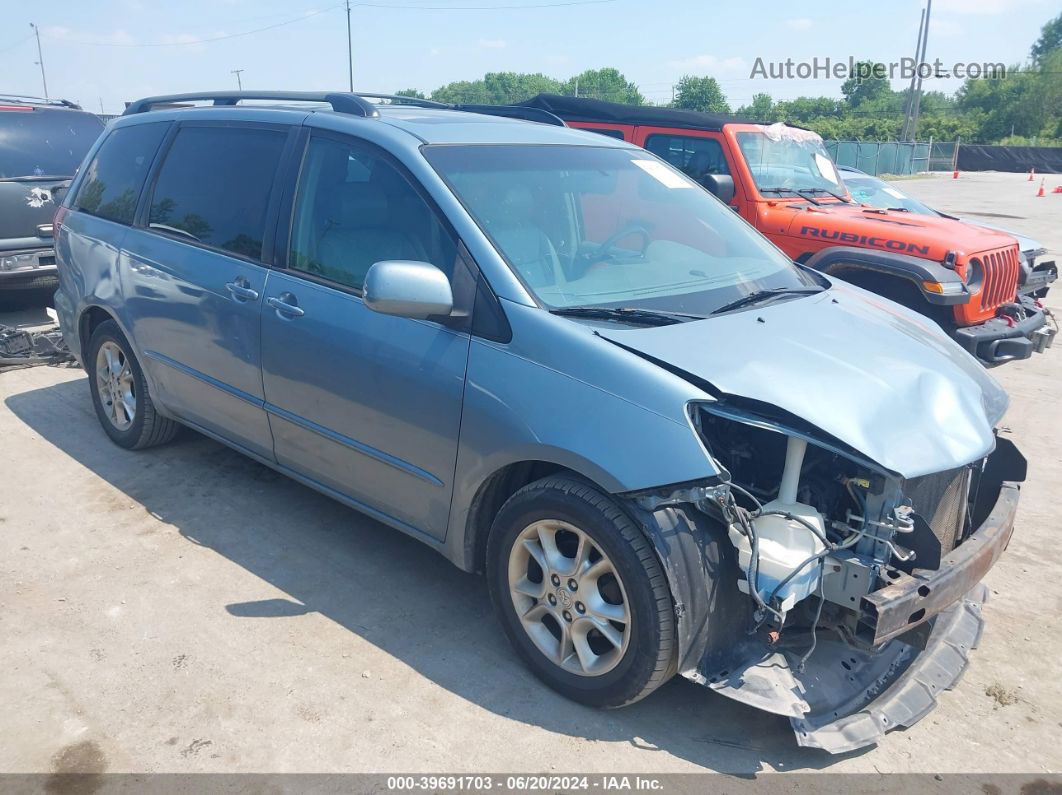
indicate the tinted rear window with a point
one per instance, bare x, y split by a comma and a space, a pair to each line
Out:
214, 187
45, 143
113, 180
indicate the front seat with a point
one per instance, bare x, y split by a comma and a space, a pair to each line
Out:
524, 244
702, 162
359, 231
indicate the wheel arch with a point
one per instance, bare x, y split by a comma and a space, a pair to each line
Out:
904, 275
492, 494
89, 320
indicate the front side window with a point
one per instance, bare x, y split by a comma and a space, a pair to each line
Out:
785, 160
589, 226
113, 180
353, 209
693, 156
214, 187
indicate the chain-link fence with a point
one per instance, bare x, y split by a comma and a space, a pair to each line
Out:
894, 157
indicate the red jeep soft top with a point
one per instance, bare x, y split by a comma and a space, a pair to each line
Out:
781, 179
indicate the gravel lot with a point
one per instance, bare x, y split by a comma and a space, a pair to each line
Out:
186, 609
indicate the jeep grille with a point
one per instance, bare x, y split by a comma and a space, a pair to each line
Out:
1000, 276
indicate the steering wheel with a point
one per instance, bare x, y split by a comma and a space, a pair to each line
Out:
604, 251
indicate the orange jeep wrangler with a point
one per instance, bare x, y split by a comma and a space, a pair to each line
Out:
781, 180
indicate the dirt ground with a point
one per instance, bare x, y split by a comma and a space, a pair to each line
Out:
186, 609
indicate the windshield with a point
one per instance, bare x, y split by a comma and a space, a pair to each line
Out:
869, 190
608, 227
783, 157
44, 142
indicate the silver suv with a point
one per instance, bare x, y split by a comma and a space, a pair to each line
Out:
41, 144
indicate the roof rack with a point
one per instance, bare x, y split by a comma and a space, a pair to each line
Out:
515, 112
341, 101
398, 99
22, 99
355, 104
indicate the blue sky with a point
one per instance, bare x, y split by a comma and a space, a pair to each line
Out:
117, 50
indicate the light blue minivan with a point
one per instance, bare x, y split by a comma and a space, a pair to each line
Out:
559, 361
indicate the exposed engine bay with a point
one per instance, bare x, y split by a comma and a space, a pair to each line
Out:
849, 595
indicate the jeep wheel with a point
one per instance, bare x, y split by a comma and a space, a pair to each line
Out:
119, 392
581, 594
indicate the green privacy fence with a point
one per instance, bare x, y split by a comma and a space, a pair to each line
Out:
894, 157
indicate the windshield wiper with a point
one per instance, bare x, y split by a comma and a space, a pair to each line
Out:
837, 196
647, 317
794, 191
764, 295
33, 178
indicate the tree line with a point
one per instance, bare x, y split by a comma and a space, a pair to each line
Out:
1022, 108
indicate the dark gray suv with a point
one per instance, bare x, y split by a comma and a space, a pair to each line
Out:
42, 142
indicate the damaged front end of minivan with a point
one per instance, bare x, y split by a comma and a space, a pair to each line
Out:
812, 582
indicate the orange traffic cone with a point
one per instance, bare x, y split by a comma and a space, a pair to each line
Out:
1058, 189
1040, 193
1032, 174
955, 174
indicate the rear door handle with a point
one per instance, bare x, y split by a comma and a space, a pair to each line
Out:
241, 290
286, 305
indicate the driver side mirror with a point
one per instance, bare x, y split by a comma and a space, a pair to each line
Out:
722, 185
410, 289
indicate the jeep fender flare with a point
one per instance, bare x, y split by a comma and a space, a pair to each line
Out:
846, 261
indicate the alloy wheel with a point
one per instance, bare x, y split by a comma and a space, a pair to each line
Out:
569, 598
116, 385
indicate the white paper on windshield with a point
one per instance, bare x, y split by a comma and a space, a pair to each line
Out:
826, 168
662, 174
894, 193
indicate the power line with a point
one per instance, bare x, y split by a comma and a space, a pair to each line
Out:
190, 42
311, 14
18, 43
488, 8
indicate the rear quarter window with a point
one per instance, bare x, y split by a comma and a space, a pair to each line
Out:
214, 187
115, 177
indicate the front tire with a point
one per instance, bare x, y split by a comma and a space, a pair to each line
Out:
581, 594
120, 394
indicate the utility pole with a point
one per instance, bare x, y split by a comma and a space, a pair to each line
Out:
101, 105
40, 58
909, 104
918, 90
239, 83
350, 51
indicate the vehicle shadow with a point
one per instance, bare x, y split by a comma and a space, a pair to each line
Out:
333, 561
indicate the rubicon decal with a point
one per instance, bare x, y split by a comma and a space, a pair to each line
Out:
864, 240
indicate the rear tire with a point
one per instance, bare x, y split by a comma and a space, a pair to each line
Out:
120, 394
564, 562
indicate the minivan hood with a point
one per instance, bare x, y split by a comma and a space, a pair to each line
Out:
878, 377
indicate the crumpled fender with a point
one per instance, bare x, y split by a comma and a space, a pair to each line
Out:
712, 615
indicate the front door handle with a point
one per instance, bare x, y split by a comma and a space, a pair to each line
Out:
286, 305
240, 289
